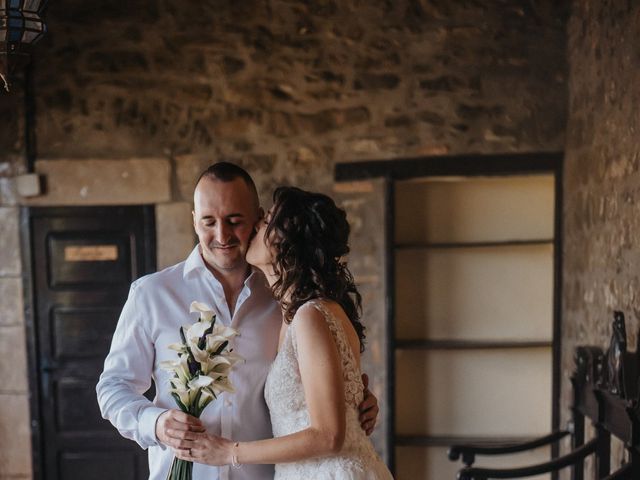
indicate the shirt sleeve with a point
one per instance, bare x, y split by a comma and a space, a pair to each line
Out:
127, 374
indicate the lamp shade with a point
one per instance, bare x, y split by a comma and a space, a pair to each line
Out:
20, 27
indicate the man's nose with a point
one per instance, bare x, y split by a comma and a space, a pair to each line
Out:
223, 233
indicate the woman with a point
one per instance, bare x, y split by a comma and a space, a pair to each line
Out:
314, 386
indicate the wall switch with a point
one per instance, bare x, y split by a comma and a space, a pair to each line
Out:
28, 185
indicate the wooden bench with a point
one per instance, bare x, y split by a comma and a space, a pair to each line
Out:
606, 393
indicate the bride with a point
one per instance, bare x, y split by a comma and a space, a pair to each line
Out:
314, 387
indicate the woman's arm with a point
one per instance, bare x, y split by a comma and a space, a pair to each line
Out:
321, 372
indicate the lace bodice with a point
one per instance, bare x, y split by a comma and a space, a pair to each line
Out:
284, 395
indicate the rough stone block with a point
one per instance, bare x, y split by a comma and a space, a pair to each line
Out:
11, 302
232, 65
431, 118
281, 124
174, 233
188, 169
363, 186
332, 119
103, 182
13, 360
399, 121
385, 81
15, 436
8, 196
10, 241
364, 146
117, 61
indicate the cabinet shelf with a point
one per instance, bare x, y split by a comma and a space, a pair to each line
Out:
469, 344
447, 441
486, 244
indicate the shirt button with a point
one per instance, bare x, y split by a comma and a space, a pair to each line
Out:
227, 402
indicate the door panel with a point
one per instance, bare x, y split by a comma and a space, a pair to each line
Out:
82, 332
84, 260
122, 465
87, 259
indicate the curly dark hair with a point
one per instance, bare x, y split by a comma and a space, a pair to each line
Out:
309, 235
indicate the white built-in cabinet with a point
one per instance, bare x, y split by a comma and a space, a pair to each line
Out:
473, 286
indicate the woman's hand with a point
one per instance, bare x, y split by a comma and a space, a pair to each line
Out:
368, 408
205, 448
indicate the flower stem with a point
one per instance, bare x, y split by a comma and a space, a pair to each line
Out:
180, 470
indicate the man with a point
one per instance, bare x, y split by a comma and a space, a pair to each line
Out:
226, 210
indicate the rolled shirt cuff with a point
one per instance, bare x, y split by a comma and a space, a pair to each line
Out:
148, 421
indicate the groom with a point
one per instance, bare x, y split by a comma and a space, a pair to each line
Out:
226, 210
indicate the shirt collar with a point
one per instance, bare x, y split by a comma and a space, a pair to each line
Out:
195, 263
256, 277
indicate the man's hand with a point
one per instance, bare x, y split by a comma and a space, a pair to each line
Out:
172, 428
368, 408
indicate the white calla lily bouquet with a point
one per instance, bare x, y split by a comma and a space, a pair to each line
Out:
201, 372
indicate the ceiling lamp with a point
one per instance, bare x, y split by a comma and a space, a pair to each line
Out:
20, 27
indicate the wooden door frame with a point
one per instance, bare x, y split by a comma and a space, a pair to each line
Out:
468, 166
31, 330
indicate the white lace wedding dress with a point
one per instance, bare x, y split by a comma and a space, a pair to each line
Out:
285, 397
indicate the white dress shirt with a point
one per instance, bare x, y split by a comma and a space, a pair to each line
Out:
158, 304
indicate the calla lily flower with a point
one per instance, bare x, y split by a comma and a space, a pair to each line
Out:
217, 366
200, 381
179, 367
196, 331
223, 385
199, 355
186, 396
222, 365
178, 384
178, 347
233, 358
205, 398
223, 331
214, 342
205, 311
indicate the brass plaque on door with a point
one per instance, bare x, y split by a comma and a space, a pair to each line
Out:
91, 253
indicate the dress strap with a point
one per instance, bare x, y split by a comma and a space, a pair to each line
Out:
328, 315
335, 325
351, 373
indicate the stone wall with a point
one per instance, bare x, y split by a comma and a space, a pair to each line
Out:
602, 178
15, 430
292, 87
288, 88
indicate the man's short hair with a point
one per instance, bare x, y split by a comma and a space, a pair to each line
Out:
227, 172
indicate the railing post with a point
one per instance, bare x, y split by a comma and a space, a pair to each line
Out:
577, 440
602, 466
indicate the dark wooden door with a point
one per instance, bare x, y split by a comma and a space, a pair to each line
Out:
84, 260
